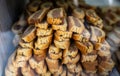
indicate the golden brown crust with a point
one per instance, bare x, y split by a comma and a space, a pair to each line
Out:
39, 52
60, 38
64, 34
91, 16
26, 44
42, 46
24, 52
43, 40
62, 26
83, 37
42, 25
55, 16
37, 17
75, 25
62, 44
42, 32
85, 48
29, 34
54, 52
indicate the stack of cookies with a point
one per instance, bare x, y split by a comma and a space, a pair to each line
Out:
60, 43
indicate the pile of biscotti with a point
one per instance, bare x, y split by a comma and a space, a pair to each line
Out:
60, 40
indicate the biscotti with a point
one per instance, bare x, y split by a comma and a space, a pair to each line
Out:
42, 25
84, 47
55, 16
33, 6
90, 67
75, 25
97, 35
24, 44
42, 32
83, 37
79, 13
29, 34
37, 16
54, 52
62, 26
93, 18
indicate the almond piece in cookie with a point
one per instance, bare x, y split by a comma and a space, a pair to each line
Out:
75, 25
29, 34
55, 16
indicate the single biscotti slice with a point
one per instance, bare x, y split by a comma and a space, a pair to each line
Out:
43, 40
54, 52
64, 34
55, 16
44, 32
75, 25
63, 26
72, 51
62, 44
24, 44
97, 35
24, 51
29, 34
33, 6
78, 13
83, 37
37, 16
85, 47
42, 25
